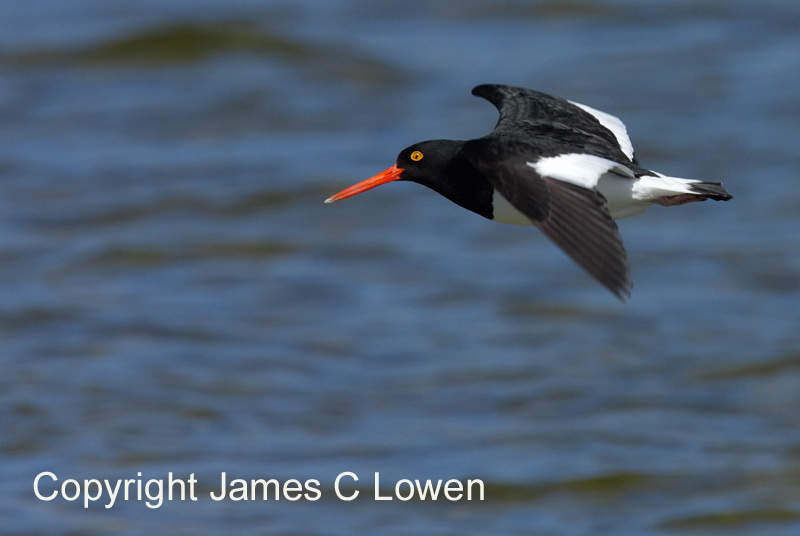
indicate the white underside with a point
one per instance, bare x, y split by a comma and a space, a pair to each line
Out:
623, 196
626, 195
505, 212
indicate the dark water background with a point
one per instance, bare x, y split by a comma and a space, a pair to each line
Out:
174, 295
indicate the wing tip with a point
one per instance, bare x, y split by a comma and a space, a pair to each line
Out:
613, 275
494, 93
481, 89
621, 291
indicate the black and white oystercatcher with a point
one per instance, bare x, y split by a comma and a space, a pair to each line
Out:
564, 167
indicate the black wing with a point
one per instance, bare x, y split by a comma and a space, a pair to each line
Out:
573, 217
523, 109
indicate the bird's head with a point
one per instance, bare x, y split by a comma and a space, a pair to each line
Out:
426, 163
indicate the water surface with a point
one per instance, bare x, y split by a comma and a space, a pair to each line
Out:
176, 297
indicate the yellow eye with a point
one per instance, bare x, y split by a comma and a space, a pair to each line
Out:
416, 156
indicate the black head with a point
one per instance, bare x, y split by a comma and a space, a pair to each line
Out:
439, 165
425, 163
428, 162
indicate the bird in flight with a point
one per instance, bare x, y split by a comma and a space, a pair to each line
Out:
563, 167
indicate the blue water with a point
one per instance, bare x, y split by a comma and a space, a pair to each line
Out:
175, 296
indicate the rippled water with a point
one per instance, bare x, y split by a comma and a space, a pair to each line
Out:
175, 297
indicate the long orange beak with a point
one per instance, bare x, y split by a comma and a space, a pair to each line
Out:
391, 174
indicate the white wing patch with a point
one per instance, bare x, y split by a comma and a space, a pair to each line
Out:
580, 169
613, 124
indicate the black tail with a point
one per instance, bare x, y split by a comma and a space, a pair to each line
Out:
712, 189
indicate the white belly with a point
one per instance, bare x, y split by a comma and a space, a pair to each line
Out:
621, 195
505, 212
